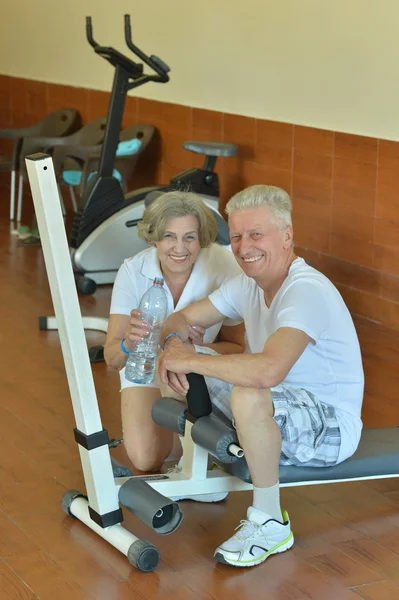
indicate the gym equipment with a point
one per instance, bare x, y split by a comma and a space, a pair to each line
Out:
96, 256
148, 497
104, 227
103, 195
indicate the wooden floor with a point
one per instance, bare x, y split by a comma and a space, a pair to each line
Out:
347, 535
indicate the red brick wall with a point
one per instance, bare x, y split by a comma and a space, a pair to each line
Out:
344, 187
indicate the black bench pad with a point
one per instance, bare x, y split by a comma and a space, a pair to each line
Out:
377, 454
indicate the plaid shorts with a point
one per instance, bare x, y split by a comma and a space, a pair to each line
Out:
309, 430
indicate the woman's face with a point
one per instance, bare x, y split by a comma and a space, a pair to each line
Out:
180, 246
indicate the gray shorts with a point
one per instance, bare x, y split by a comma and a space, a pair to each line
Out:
309, 429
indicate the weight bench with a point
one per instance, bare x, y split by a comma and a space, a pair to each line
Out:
149, 497
377, 457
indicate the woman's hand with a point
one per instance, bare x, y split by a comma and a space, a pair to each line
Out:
136, 330
196, 334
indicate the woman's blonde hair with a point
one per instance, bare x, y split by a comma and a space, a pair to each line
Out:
177, 204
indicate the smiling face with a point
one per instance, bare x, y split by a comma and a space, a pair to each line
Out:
179, 248
260, 248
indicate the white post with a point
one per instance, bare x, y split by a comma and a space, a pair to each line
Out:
195, 458
12, 196
94, 323
20, 193
97, 468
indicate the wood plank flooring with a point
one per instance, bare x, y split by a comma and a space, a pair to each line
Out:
347, 535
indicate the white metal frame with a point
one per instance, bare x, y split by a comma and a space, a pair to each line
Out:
12, 195
102, 489
93, 323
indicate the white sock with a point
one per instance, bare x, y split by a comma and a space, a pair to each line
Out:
267, 500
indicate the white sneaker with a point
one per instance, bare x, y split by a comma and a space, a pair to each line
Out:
216, 497
258, 537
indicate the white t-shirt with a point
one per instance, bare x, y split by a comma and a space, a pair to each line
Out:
331, 365
214, 266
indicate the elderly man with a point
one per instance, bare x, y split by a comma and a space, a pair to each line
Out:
296, 394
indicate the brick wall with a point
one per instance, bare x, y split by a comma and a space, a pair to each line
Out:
344, 187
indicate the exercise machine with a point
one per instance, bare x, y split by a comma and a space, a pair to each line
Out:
104, 229
103, 195
148, 497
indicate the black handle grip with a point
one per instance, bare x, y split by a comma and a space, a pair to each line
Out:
198, 400
157, 65
160, 63
89, 33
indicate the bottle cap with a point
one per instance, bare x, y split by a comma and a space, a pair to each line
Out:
159, 280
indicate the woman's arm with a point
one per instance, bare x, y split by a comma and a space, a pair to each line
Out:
128, 327
113, 355
231, 340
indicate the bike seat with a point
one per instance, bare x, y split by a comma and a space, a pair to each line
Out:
211, 148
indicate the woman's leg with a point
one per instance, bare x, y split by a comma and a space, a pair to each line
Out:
147, 445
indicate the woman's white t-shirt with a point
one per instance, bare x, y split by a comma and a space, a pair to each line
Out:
214, 266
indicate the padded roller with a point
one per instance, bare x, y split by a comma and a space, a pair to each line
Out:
169, 413
158, 512
215, 437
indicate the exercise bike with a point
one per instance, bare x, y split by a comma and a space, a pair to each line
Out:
104, 229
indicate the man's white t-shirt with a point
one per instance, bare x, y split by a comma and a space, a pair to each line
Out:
331, 365
214, 266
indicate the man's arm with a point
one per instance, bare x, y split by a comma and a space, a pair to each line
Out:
201, 313
263, 370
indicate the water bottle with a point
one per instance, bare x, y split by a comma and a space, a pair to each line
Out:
141, 362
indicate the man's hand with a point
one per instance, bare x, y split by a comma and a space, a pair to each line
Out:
174, 364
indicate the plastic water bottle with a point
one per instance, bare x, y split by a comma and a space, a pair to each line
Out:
141, 362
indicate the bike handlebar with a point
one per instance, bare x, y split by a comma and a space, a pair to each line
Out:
113, 56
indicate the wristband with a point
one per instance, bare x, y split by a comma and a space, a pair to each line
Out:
123, 347
169, 336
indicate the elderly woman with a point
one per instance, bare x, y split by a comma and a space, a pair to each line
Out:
181, 231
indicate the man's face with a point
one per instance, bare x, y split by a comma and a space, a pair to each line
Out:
258, 245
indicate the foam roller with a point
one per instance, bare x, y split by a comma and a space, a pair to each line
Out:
215, 437
169, 413
162, 514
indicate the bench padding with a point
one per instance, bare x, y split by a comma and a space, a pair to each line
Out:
377, 454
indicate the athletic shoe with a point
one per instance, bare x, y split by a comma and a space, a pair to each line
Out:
216, 497
257, 538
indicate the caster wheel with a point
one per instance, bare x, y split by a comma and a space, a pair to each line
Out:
85, 285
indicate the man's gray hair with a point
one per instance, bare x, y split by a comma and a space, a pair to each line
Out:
256, 196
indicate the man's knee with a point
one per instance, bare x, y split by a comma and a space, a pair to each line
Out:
251, 402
